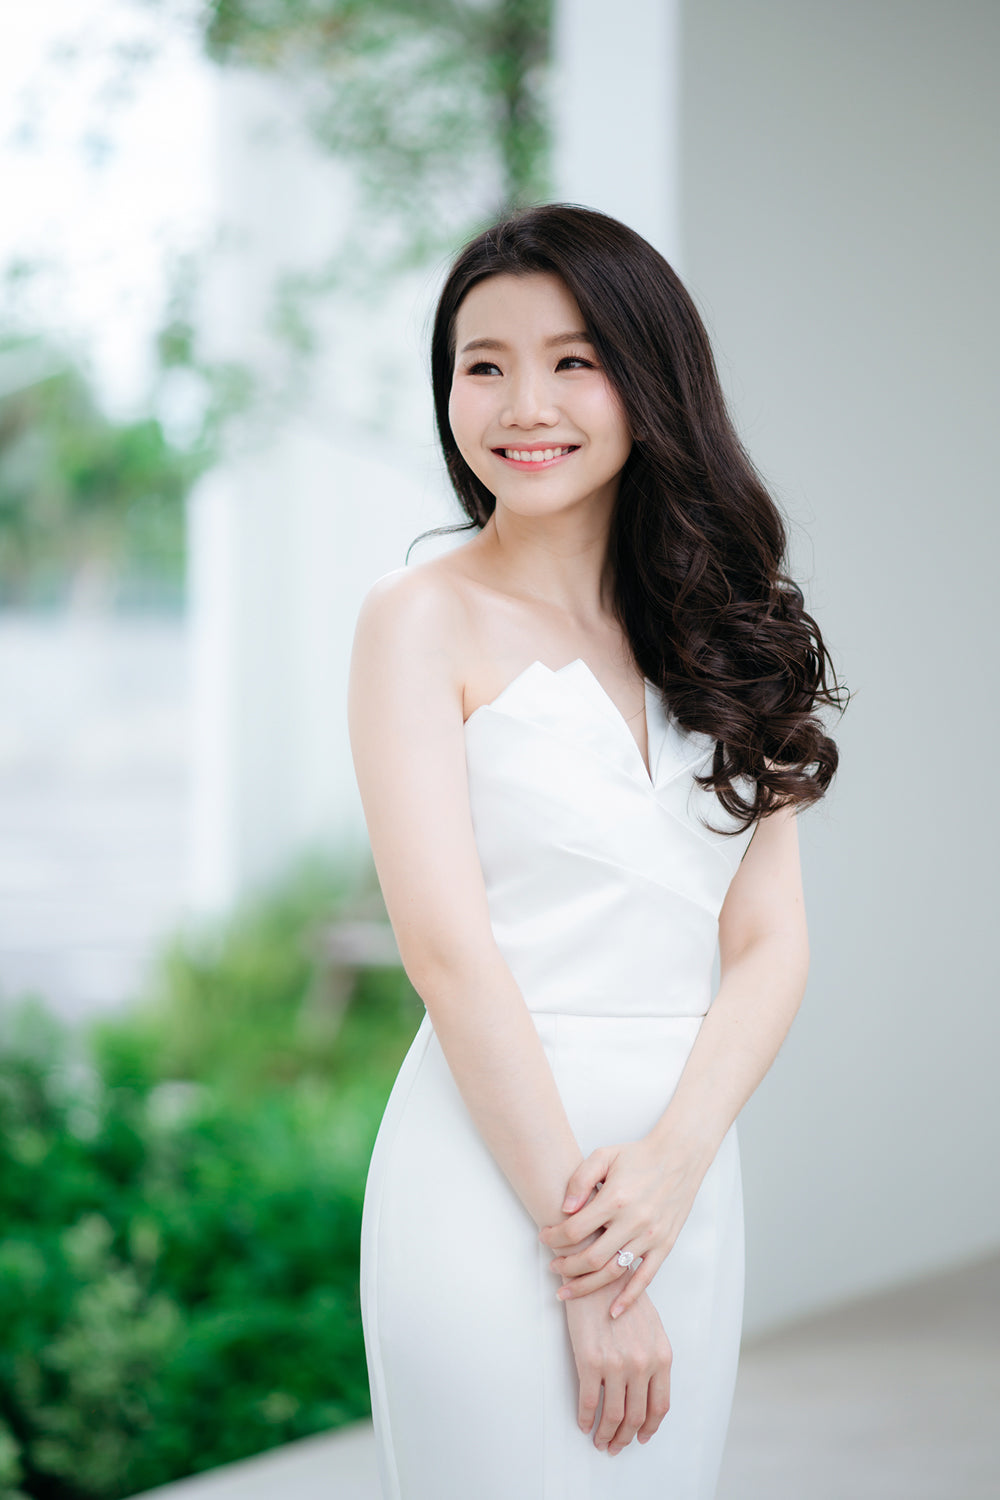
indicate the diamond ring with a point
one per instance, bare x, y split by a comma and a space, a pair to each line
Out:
625, 1258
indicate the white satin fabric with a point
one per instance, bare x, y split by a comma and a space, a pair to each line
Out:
604, 890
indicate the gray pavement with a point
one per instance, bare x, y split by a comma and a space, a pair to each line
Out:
893, 1397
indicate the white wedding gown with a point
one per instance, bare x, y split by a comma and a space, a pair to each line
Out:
604, 892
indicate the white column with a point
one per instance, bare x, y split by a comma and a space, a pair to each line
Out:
286, 538
616, 93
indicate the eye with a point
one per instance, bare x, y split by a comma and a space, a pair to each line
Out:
486, 366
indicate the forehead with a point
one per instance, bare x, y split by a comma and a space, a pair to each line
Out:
539, 302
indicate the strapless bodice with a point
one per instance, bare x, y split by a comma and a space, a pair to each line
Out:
604, 884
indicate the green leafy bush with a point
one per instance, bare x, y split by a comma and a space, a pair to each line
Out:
180, 1190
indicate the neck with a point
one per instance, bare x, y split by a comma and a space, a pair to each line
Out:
560, 561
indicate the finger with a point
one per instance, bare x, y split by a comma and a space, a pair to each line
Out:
637, 1282
586, 1177
635, 1414
614, 1409
657, 1404
590, 1396
572, 1230
580, 1286
577, 1247
593, 1257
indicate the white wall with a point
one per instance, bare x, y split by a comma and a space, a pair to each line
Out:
841, 225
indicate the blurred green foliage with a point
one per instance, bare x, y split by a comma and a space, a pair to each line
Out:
440, 110
439, 107
412, 92
181, 1190
81, 494
77, 489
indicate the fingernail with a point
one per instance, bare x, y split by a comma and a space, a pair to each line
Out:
616, 1310
569, 1205
563, 1293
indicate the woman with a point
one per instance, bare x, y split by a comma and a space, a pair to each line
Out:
581, 739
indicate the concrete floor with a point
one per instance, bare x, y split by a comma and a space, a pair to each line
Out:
891, 1398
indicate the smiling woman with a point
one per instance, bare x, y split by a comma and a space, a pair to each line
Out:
581, 740
540, 377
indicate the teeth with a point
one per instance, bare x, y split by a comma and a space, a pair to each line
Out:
541, 455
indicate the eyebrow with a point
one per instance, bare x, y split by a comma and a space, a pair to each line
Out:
553, 342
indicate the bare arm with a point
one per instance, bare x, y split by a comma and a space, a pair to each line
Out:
408, 743
764, 964
650, 1185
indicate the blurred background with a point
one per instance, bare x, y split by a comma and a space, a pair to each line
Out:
224, 226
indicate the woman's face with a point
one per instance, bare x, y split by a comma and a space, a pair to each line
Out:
533, 414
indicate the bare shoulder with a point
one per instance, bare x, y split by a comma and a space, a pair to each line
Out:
426, 600
412, 626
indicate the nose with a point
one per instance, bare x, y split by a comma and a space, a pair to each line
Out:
528, 401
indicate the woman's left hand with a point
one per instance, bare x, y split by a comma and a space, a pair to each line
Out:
645, 1196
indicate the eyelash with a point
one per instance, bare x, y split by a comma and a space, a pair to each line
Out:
488, 364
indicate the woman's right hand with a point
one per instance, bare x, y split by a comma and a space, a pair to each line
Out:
630, 1356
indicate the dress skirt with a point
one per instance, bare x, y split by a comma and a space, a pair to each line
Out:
474, 1386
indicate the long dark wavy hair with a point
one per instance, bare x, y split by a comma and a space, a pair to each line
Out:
696, 543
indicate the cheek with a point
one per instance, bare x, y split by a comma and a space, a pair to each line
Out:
464, 412
467, 419
608, 415
455, 417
